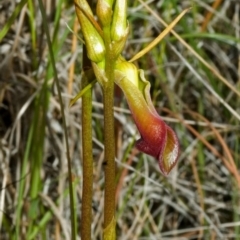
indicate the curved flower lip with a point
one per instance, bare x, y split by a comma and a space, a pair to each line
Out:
157, 138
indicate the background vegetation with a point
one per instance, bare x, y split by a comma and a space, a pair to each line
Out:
195, 77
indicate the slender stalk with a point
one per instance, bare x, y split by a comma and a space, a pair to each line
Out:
87, 189
109, 143
109, 201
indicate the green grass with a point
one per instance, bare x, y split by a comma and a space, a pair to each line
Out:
200, 198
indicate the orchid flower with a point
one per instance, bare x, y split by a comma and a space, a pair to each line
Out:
157, 138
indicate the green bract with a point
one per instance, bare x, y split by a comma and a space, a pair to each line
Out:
104, 13
93, 40
119, 22
119, 27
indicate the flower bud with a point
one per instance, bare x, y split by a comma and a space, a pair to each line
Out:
104, 12
93, 40
119, 22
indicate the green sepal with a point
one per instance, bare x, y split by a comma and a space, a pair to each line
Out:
91, 31
119, 22
104, 13
118, 45
124, 69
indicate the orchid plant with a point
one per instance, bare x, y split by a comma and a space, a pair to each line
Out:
104, 41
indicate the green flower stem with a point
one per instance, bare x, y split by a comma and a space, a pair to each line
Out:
109, 138
109, 145
87, 190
